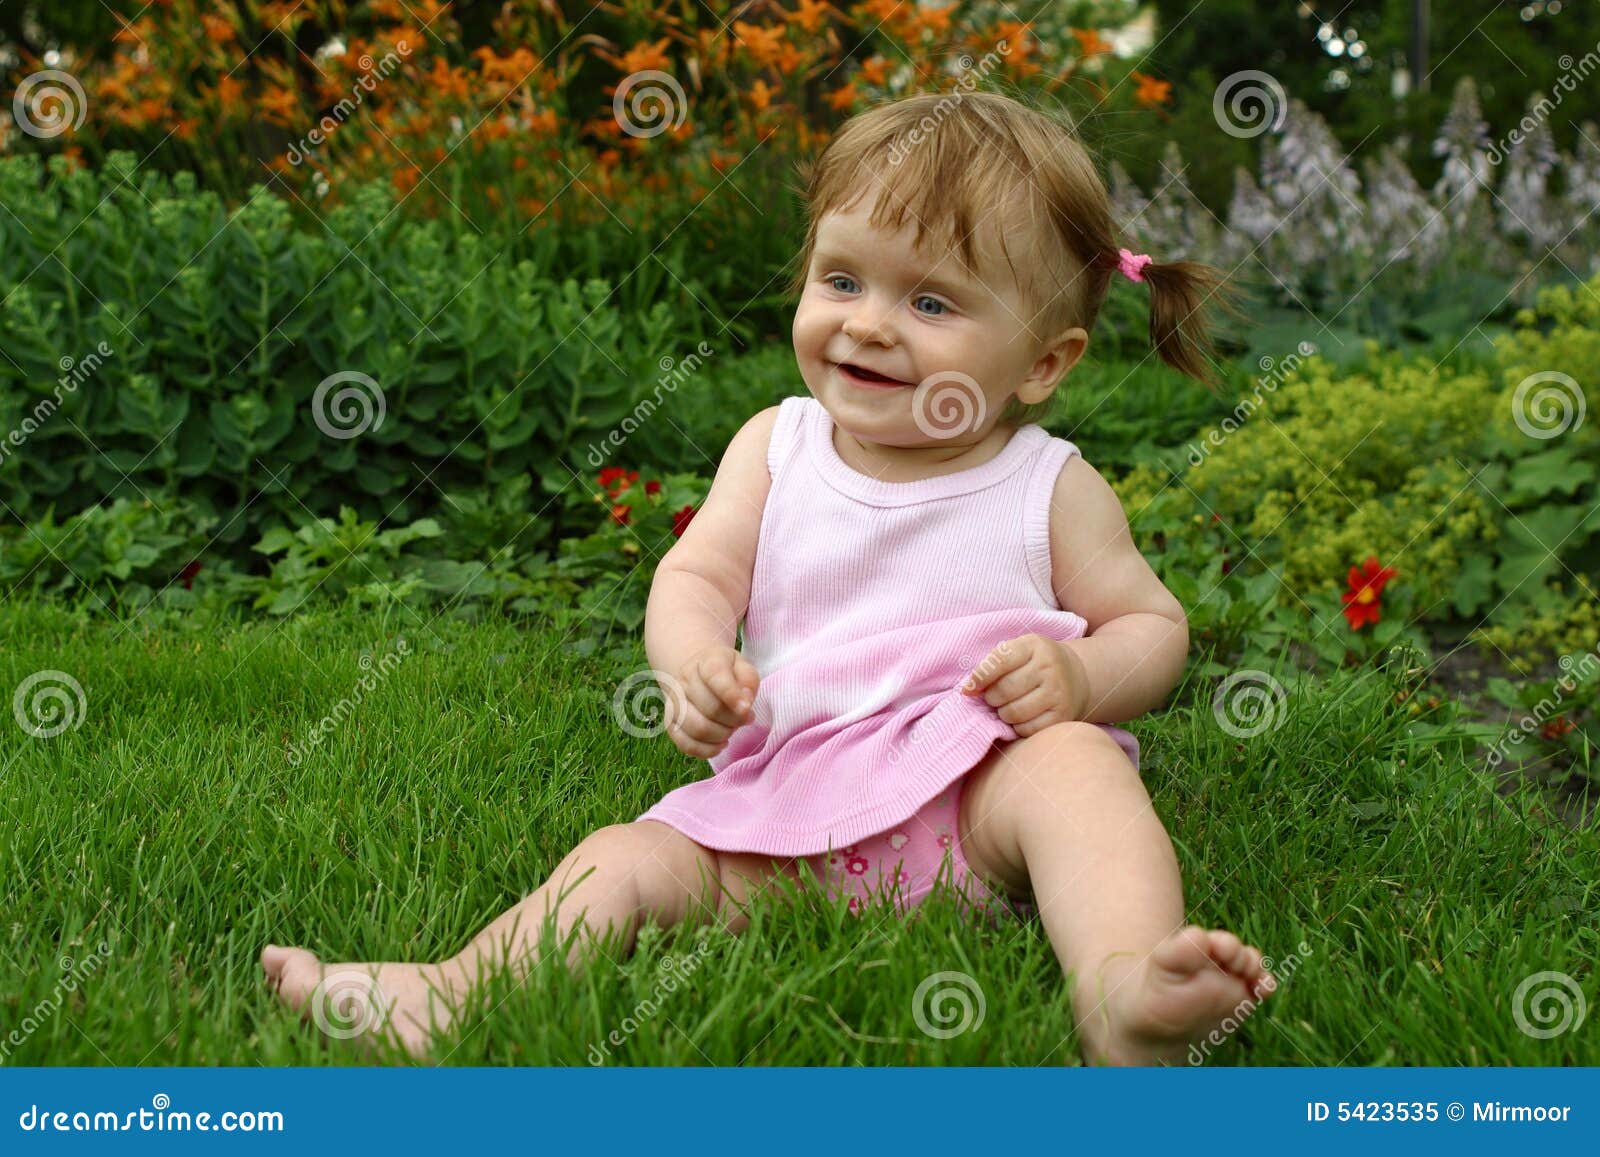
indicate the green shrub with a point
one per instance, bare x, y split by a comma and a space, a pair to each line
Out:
1439, 470
156, 343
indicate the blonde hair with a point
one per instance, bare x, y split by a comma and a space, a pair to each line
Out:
952, 160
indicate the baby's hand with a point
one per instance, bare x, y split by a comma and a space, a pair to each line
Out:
719, 687
1032, 682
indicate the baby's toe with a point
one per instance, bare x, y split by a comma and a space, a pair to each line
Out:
294, 972
1186, 951
1225, 948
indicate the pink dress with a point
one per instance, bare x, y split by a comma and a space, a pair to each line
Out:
870, 603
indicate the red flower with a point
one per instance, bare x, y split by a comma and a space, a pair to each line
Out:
652, 487
615, 479
186, 575
681, 520
619, 514
1361, 603
1556, 728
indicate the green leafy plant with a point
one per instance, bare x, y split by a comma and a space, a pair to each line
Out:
218, 329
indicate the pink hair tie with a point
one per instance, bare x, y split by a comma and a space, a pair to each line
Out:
1131, 265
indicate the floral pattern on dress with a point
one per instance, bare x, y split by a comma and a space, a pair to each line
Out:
877, 865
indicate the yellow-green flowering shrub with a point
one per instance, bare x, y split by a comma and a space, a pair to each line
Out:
1535, 636
1332, 467
1462, 476
1555, 349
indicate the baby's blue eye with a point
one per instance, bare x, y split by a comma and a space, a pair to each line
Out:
838, 277
935, 301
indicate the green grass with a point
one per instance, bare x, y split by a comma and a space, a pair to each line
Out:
171, 826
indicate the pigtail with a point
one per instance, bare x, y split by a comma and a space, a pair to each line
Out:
1182, 297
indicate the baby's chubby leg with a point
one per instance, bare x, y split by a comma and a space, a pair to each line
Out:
614, 879
1063, 813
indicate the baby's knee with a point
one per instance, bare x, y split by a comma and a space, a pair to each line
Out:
670, 873
1079, 744
743, 874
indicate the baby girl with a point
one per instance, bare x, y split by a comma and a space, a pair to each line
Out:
944, 614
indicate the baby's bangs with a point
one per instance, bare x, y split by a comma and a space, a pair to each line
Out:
950, 165
945, 186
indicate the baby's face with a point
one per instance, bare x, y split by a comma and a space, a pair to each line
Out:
873, 302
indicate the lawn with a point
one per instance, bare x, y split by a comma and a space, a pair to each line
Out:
157, 843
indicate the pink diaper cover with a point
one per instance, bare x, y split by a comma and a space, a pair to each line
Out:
905, 862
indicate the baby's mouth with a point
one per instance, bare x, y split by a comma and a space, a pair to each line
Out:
861, 373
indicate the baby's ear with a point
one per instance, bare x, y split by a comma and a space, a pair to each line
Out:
1053, 364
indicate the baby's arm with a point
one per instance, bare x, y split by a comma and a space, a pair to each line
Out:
1138, 635
701, 591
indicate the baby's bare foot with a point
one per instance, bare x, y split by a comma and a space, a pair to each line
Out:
1185, 988
354, 1000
